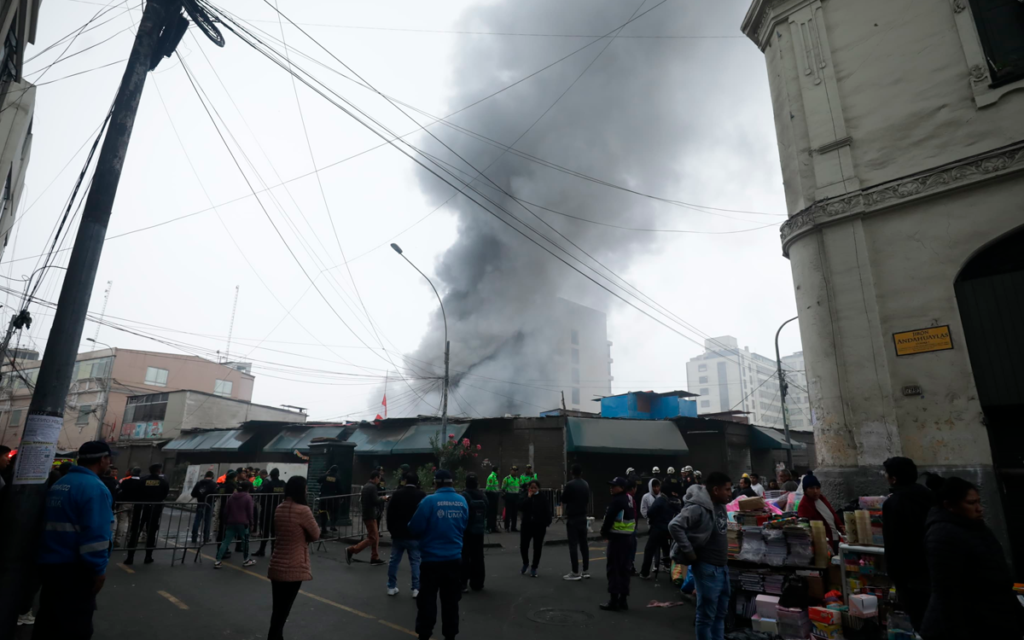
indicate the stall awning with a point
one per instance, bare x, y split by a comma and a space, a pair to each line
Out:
376, 441
199, 441
417, 439
230, 441
765, 438
650, 437
319, 432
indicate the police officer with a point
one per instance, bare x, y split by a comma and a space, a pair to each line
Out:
492, 490
673, 489
403, 471
510, 487
618, 529
328, 509
524, 480
154, 490
270, 495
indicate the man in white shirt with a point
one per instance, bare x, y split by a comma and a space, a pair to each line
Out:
755, 484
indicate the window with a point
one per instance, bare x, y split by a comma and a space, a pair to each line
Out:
701, 368
156, 377
84, 411
702, 380
575, 376
222, 388
575, 395
1001, 29
15, 418
575, 356
575, 337
151, 408
705, 392
705, 404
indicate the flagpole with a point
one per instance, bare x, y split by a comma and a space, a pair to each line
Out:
386, 394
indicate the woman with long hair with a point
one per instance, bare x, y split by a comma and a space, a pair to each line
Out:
289, 565
972, 586
536, 516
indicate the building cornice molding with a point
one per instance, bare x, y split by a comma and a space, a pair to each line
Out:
765, 14
926, 184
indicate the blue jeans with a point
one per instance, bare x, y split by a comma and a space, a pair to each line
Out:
232, 531
205, 514
712, 600
398, 547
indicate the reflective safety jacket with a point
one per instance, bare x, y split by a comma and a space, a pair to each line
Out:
524, 480
510, 484
492, 482
78, 517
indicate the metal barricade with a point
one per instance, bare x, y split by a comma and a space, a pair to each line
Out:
147, 527
341, 518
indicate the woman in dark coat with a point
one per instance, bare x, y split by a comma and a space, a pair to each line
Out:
972, 587
536, 517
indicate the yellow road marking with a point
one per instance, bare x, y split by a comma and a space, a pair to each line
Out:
124, 568
335, 604
398, 628
178, 603
601, 558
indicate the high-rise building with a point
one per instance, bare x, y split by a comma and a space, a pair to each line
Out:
727, 378
584, 355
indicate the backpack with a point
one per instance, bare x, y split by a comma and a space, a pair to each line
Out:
477, 513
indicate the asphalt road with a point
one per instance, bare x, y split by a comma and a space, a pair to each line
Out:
161, 602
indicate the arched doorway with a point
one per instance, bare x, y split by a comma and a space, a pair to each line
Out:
990, 294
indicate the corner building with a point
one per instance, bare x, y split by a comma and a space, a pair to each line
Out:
901, 139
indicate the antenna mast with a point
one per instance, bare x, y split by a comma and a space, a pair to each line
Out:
103, 311
231, 328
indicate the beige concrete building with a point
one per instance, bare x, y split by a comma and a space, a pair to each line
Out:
901, 138
101, 384
17, 98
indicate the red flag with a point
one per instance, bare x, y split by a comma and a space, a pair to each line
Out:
384, 403
378, 418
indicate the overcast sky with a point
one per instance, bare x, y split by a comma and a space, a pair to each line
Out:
704, 134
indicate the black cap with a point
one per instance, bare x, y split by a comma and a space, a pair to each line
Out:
94, 451
443, 475
619, 482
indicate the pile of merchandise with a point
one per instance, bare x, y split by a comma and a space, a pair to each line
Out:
776, 550
751, 581
753, 545
734, 535
801, 548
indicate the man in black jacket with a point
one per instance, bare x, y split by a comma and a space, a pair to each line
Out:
904, 514
401, 508
328, 509
618, 529
204, 510
659, 514
370, 501
576, 498
473, 537
270, 495
154, 490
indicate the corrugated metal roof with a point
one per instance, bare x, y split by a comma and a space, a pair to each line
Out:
601, 435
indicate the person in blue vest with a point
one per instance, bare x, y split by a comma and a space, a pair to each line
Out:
439, 523
75, 548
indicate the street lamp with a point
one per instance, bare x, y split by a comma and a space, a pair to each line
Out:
106, 402
444, 389
782, 393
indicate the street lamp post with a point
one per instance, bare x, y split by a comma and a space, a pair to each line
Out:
106, 400
783, 385
447, 345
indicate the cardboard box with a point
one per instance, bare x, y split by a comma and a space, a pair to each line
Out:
752, 504
824, 616
827, 631
765, 625
766, 606
863, 605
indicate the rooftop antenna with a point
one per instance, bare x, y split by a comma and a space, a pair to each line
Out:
103, 311
231, 328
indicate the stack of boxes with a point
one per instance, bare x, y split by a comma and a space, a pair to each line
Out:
826, 624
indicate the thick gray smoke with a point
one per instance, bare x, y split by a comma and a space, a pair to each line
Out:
629, 120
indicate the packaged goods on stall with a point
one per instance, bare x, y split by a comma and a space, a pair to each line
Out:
863, 605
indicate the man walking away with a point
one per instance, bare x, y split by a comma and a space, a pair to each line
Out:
493, 488
576, 498
328, 509
618, 529
154, 491
130, 518
439, 524
401, 508
473, 539
904, 514
699, 536
369, 500
239, 518
658, 514
271, 495
204, 510
510, 488
75, 547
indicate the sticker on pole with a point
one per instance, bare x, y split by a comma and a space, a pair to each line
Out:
38, 446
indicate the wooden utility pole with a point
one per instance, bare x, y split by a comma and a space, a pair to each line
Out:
22, 510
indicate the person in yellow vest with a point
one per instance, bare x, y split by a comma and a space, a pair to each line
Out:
524, 480
492, 490
618, 529
510, 487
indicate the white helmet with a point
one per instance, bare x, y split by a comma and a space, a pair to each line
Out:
696, 474
687, 469
671, 470
629, 471
655, 470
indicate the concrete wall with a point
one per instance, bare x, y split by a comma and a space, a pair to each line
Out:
184, 372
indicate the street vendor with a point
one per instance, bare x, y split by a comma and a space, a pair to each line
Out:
815, 506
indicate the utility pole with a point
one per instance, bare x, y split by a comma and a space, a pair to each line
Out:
783, 386
22, 510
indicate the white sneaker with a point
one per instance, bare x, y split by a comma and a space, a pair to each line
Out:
248, 563
415, 593
393, 591
586, 574
572, 576
27, 618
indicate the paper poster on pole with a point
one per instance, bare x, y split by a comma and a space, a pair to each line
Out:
37, 449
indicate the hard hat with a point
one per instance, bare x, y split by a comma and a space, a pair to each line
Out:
746, 475
671, 470
696, 474
655, 470
688, 468
629, 470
